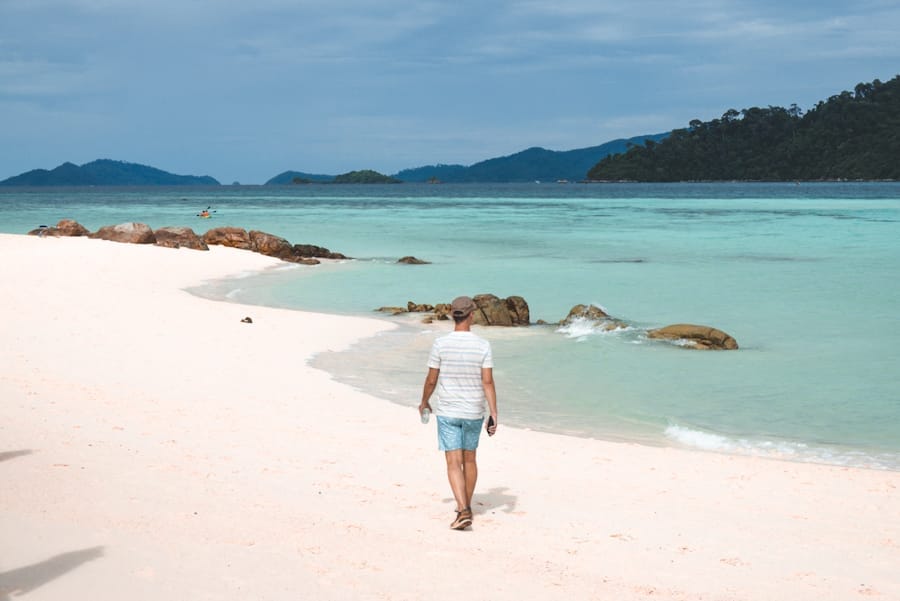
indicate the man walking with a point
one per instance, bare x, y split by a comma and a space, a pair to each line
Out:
460, 367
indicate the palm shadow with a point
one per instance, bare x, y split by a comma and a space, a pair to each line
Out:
21, 581
13, 454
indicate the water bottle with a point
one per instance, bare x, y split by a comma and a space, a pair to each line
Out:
426, 413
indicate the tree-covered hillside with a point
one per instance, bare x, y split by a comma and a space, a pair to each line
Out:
526, 166
105, 172
852, 135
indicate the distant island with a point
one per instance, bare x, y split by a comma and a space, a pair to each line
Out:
106, 172
851, 136
526, 166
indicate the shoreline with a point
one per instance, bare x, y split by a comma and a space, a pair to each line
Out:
153, 443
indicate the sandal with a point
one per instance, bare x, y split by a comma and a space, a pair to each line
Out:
463, 519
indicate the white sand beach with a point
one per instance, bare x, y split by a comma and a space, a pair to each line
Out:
154, 447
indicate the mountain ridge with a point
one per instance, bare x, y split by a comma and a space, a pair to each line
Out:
106, 172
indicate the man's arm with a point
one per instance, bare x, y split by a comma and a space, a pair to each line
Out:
431, 379
490, 393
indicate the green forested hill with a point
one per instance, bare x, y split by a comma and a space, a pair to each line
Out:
105, 172
852, 135
526, 166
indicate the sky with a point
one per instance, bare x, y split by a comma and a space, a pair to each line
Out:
243, 91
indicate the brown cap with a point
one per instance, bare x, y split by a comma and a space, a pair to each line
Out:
462, 306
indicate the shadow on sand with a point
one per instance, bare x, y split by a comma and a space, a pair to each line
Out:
13, 454
495, 498
24, 580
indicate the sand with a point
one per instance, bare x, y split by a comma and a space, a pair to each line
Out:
153, 446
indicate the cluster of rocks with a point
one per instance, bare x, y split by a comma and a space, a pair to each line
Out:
184, 237
513, 311
490, 310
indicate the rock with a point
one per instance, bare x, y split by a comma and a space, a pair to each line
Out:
494, 311
234, 237
179, 237
247, 320
442, 311
412, 261
132, 233
391, 310
271, 245
414, 308
65, 228
595, 314
68, 227
319, 252
696, 337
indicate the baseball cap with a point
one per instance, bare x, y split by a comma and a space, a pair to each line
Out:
462, 306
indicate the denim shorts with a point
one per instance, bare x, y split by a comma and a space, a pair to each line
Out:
457, 433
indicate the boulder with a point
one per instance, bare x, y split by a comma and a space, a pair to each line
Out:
270, 245
65, 228
235, 237
391, 310
319, 252
494, 311
442, 311
415, 308
132, 233
696, 337
595, 314
412, 261
179, 237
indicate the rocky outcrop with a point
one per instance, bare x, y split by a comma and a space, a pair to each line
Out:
412, 261
490, 310
179, 237
65, 228
391, 310
494, 311
316, 252
235, 237
595, 314
696, 337
270, 245
132, 233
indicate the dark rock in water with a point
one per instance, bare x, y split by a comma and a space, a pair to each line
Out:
234, 237
391, 310
271, 245
65, 228
494, 311
132, 233
412, 261
490, 310
414, 308
318, 252
595, 314
696, 337
179, 237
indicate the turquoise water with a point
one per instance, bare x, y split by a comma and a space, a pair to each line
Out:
805, 277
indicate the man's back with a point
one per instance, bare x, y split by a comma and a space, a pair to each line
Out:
460, 357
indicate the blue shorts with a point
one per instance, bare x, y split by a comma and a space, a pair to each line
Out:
457, 433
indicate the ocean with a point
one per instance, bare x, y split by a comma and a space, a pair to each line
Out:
805, 276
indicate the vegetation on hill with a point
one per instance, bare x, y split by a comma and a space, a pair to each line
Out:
526, 166
366, 176
298, 177
105, 172
852, 135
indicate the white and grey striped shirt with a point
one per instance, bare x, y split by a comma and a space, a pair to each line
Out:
460, 356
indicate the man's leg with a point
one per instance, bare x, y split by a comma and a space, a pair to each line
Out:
470, 469
457, 477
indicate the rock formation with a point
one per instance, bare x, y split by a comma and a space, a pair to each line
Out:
490, 311
65, 228
595, 314
179, 237
696, 337
132, 233
412, 261
235, 237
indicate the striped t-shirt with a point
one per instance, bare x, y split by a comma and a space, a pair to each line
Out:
460, 357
